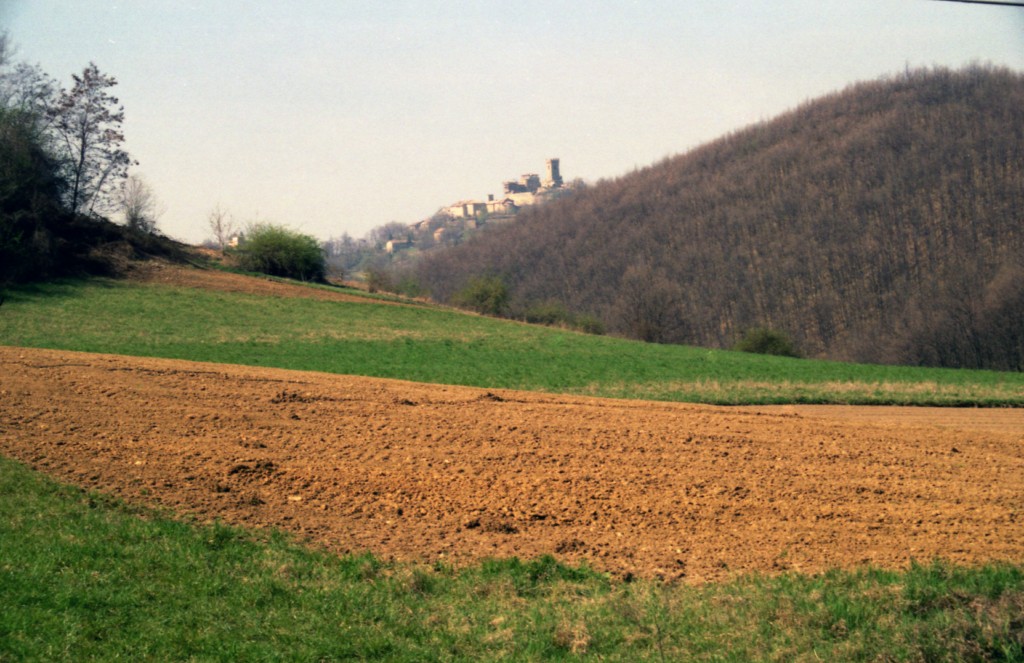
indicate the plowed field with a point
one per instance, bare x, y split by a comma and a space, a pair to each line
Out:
422, 472
205, 279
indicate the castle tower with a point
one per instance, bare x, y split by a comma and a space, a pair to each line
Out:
554, 178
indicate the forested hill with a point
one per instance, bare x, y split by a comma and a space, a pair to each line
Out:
883, 223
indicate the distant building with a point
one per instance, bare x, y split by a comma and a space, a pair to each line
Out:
503, 206
466, 209
527, 183
554, 178
394, 245
529, 189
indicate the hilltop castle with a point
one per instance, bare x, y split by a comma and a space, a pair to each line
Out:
529, 189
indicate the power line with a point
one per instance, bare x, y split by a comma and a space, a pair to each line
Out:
987, 2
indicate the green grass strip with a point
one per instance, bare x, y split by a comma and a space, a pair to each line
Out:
83, 577
431, 344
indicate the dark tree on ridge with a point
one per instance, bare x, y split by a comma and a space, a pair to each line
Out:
86, 123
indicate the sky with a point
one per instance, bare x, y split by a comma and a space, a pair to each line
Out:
335, 116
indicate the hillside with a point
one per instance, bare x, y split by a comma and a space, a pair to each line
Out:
882, 223
171, 311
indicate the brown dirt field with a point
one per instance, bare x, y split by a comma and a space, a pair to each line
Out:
155, 271
421, 472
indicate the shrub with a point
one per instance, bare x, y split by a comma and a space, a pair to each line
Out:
765, 341
553, 314
278, 251
484, 294
589, 324
548, 313
377, 280
408, 285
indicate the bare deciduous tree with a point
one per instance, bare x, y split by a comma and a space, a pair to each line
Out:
649, 305
139, 204
392, 230
86, 123
222, 226
27, 90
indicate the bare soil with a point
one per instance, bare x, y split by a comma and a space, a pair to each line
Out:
156, 271
424, 472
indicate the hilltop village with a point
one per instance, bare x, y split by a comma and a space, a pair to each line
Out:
451, 221
450, 225
527, 190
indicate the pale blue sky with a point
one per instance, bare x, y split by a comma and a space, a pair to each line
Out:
341, 115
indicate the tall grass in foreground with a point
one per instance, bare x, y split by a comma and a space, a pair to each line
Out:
85, 578
436, 345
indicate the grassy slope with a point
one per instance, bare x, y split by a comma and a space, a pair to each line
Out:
434, 345
84, 578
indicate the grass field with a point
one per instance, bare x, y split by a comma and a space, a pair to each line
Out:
83, 577
431, 344
86, 578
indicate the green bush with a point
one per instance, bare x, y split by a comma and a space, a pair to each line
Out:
484, 294
553, 314
278, 251
765, 341
548, 313
408, 285
589, 324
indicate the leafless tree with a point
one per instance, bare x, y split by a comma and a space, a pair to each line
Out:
222, 226
139, 204
649, 305
86, 123
27, 90
380, 235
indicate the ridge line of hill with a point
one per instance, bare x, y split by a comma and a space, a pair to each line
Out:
882, 223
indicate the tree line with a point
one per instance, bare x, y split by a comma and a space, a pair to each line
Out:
882, 223
63, 166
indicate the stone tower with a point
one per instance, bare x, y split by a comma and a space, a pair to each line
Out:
554, 178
